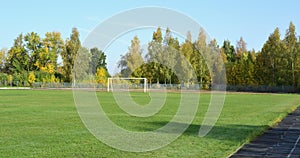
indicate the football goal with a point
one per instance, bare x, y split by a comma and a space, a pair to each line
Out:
128, 83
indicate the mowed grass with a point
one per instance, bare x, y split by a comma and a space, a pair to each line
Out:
45, 123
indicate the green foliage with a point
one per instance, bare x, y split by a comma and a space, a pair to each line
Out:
72, 46
47, 58
169, 59
2, 59
155, 49
188, 52
201, 57
3, 79
297, 65
41, 76
81, 67
132, 59
18, 58
20, 79
157, 36
33, 46
241, 48
276, 64
291, 54
10, 79
37, 58
98, 60
229, 51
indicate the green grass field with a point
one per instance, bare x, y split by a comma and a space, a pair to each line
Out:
41, 123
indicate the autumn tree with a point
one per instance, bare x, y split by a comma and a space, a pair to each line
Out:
81, 65
132, 60
217, 67
202, 57
169, 57
34, 48
190, 56
18, 58
54, 46
31, 78
10, 79
35, 59
155, 48
241, 48
270, 60
247, 69
72, 46
2, 59
241, 62
291, 53
101, 76
297, 65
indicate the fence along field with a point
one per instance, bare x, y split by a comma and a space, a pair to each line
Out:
38, 123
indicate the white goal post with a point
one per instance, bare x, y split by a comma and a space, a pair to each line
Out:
110, 82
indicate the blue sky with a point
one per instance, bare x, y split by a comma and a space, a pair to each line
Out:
253, 20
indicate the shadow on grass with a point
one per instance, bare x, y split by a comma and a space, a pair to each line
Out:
231, 132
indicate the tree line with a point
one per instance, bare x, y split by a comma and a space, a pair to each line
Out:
166, 60
35, 59
277, 64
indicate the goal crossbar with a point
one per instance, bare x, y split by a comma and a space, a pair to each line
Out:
109, 82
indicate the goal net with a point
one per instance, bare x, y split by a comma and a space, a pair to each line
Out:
127, 84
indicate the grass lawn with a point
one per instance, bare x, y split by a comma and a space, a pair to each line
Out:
41, 123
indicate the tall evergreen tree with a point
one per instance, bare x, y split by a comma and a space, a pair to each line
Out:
230, 62
270, 58
290, 48
297, 65
229, 51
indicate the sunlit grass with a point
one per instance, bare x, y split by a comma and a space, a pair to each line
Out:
39, 123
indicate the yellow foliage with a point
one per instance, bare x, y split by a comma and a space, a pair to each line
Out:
37, 64
31, 78
101, 76
52, 79
50, 68
46, 50
56, 79
9, 78
43, 69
